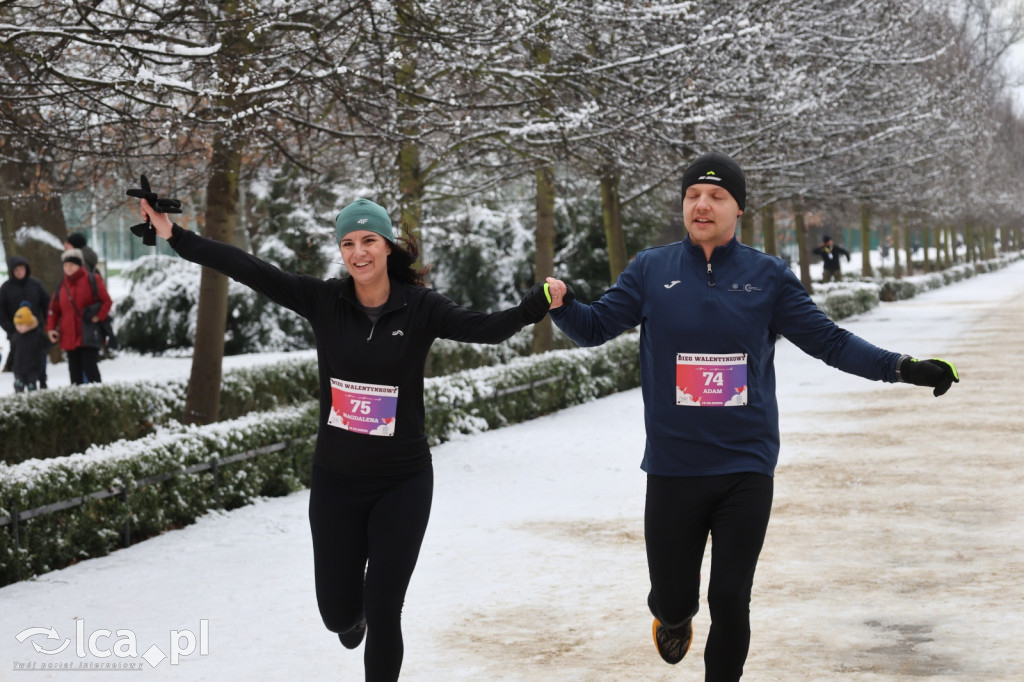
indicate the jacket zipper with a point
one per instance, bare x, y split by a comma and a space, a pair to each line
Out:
374, 325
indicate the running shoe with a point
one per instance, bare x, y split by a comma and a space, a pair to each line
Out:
672, 645
352, 638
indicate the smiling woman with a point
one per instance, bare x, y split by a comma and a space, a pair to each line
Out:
373, 479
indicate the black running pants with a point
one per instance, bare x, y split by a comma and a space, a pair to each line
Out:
370, 527
680, 514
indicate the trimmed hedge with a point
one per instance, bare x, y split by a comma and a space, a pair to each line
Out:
65, 420
462, 403
98, 526
843, 299
467, 402
490, 397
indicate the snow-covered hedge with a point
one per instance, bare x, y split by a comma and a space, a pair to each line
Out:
843, 299
448, 357
466, 402
65, 420
50, 541
489, 397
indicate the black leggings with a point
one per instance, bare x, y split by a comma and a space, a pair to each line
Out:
84, 360
680, 513
370, 527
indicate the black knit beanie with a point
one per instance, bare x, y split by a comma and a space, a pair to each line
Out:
717, 169
76, 239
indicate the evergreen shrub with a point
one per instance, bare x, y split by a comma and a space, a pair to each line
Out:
159, 312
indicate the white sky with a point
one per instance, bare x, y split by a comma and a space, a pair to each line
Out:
895, 549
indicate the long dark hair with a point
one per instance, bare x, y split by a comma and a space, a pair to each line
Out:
402, 261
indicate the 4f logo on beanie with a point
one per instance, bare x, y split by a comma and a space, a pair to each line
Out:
363, 221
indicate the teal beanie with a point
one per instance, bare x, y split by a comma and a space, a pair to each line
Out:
363, 214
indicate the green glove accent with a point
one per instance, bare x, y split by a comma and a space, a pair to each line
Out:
938, 373
547, 292
534, 305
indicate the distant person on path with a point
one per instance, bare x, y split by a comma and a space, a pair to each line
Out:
30, 343
372, 484
709, 310
64, 322
76, 240
830, 253
21, 286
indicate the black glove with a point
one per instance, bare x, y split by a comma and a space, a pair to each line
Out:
146, 230
939, 374
570, 295
536, 302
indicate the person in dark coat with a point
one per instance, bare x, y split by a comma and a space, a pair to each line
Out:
21, 286
30, 343
830, 253
64, 319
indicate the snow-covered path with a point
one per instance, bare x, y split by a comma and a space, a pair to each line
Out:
894, 553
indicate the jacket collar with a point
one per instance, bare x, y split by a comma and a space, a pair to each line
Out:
720, 252
397, 298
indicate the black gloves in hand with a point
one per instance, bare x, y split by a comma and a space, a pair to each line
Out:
536, 302
146, 230
936, 373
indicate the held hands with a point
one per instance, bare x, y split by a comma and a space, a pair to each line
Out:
153, 210
561, 293
542, 297
937, 373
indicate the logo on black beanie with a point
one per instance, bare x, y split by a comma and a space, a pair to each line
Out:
717, 169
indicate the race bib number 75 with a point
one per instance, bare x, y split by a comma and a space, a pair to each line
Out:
711, 380
363, 408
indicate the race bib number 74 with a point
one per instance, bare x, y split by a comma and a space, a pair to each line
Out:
363, 408
711, 380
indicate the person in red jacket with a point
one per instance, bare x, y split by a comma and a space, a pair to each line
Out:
64, 319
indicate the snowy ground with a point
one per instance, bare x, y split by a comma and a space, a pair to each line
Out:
894, 553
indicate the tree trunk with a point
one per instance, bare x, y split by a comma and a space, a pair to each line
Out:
410, 186
865, 240
908, 249
611, 211
926, 244
803, 252
771, 245
202, 404
29, 200
897, 271
410, 175
544, 260
747, 228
